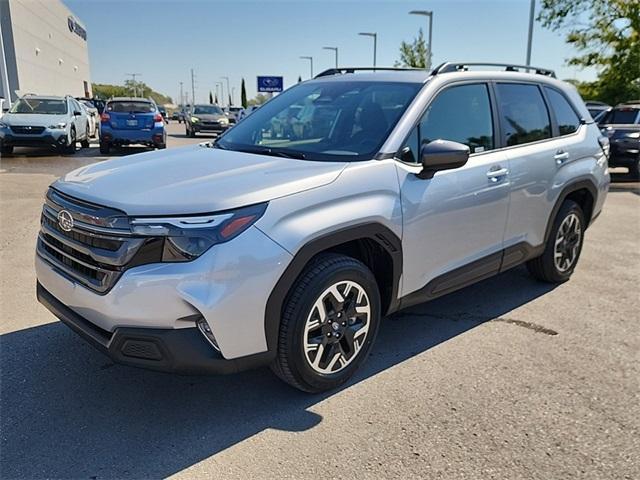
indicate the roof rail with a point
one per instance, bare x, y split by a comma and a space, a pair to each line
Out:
508, 67
341, 70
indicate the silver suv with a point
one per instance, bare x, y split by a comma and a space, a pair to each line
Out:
45, 121
340, 201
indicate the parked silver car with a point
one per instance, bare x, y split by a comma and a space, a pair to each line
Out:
286, 247
45, 121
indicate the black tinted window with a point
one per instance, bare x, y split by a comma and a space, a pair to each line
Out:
523, 113
461, 114
622, 116
568, 120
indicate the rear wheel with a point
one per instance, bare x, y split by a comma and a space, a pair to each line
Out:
563, 247
329, 323
104, 148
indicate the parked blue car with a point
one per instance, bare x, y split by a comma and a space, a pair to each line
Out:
130, 121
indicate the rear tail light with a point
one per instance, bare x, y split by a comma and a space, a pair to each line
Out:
157, 118
105, 117
604, 144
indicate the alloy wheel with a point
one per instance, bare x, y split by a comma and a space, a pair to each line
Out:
567, 243
337, 327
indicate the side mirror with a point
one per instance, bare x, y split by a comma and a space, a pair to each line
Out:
442, 155
77, 113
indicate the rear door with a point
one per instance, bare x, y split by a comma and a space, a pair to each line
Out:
131, 114
453, 223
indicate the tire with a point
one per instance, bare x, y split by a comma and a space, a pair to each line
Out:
192, 133
104, 148
85, 143
339, 339
6, 150
545, 267
70, 149
161, 146
634, 170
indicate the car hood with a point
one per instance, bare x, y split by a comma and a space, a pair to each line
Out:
193, 180
37, 119
208, 117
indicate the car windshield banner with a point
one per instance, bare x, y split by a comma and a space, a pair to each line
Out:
270, 84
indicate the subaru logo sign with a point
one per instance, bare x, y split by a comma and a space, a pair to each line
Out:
75, 27
65, 220
270, 84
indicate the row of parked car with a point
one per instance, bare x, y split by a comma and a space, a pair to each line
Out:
63, 122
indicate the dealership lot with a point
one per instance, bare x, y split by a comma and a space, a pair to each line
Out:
506, 379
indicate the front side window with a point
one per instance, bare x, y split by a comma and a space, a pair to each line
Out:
568, 120
40, 106
331, 120
461, 114
523, 113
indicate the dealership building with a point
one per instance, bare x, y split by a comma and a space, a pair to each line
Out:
43, 50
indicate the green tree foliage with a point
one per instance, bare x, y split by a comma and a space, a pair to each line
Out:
259, 99
413, 54
243, 95
106, 91
607, 35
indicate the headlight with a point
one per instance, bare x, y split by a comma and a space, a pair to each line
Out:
223, 121
195, 119
632, 135
58, 126
186, 238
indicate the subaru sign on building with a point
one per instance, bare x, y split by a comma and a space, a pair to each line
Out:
270, 84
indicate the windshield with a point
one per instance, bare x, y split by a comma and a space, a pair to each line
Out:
130, 107
87, 103
621, 116
206, 110
40, 106
324, 120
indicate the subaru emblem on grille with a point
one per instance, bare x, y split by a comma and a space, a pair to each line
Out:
65, 220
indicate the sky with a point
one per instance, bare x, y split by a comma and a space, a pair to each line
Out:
163, 40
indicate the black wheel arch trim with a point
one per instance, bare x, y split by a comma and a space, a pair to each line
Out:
376, 232
565, 192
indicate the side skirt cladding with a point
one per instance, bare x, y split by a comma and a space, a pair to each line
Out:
375, 232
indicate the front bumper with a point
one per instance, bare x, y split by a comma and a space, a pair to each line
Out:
183, 351
209, 127
48, 138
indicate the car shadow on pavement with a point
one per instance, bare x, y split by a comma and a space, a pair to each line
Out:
69, 412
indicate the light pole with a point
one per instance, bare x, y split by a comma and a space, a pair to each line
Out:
135, 84
532, 11
228, 89
375, 44
233, 95
426, 13
335, 49
221, 99
310, 63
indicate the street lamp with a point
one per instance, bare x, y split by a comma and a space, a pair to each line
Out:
228, 88
310, 62
335, 49
426, 13
375, 44
221, 97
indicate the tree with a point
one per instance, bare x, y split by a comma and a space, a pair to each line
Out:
210, 97
607, 34
299, 78
243, 95
413, 54
259, 99
216, 101
230, 100
106, 91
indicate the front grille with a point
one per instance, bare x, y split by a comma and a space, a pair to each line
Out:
94, 254
27, 130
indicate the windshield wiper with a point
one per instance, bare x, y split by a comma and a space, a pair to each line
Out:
258, 150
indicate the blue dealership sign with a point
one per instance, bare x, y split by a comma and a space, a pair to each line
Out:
270, 84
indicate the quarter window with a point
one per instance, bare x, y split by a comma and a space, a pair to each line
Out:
461, 114
523, 113
568, 121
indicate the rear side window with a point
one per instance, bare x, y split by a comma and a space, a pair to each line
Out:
523, 113
568, 120
130, 107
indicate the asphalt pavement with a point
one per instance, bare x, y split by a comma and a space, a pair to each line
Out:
508, 379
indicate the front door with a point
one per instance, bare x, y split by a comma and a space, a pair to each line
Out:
457, 218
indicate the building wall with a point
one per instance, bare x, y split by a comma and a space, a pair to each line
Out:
50, 58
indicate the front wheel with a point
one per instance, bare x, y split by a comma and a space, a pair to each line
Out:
104, 148
563, 247
71, 143
329, 324
6, 149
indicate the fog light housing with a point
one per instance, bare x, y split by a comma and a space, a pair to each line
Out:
205, 329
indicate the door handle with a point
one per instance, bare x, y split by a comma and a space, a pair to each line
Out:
494, 175
560, 157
